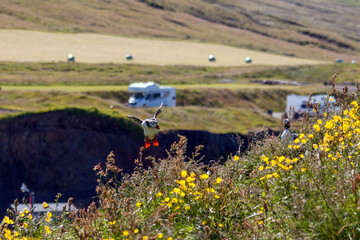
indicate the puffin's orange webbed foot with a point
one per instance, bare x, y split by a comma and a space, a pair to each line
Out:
147, 144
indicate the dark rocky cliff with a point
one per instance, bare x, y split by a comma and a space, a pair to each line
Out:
56, 151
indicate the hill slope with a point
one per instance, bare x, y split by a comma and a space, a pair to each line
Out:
321, 29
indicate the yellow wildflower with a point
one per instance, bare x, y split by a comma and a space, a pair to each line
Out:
203, 222
184, 174
159, 194
204, 176
221, 225
145, 237
265, 159
303, 169
187, 207
136, 230
192, 175
218, 180
190, 179
45, 205
25, 225
261, 168
47, 230
355, 104
7, 220
112, 223
177, 190
138, 204
160, 235
26, 211
125, 233
316, 127
30, 216
48, 216
311, 136
236, 158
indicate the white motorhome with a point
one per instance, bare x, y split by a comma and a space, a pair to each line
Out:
151, 94
296, 105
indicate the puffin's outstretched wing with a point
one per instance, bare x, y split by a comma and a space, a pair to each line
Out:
137, 120
158, 111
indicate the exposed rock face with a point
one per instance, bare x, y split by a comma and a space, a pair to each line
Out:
56, 151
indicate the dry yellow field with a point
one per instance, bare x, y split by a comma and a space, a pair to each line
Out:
33, 46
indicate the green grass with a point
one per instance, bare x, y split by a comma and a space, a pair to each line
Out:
310, 74
81, 74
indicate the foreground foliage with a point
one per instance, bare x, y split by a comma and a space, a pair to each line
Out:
306, 188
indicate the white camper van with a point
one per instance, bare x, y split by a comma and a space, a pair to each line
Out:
299, 104
151, 94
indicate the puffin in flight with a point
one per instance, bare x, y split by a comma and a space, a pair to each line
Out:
150, 126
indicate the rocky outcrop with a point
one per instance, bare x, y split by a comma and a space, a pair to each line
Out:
56, 151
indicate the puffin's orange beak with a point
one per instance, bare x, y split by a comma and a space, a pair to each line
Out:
157, 126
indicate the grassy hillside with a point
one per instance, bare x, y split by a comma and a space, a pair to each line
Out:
320, 29
217, 114
201, 97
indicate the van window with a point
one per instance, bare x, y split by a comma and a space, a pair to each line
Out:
156, 95
303, 105
139, 95
166, 94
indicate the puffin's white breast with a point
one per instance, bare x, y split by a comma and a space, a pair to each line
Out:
149, 132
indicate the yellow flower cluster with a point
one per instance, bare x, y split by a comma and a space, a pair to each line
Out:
333, 137
133, 234
276, 164
190, 191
